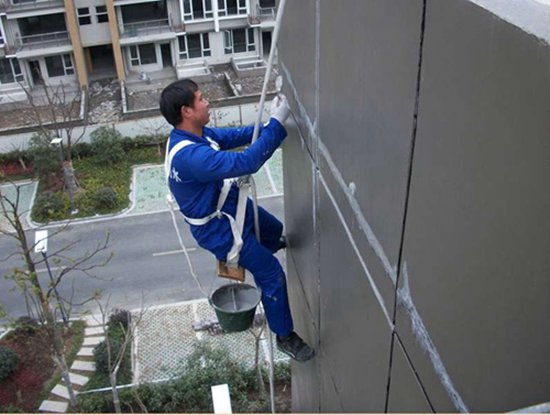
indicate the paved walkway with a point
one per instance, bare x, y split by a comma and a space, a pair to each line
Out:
81, 369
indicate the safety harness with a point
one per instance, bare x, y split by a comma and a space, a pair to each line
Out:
237, 223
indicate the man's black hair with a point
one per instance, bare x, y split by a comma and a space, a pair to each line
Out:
175, 96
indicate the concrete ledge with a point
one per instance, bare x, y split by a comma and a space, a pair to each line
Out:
529, 15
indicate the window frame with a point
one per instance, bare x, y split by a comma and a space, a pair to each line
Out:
67, 65
206, 51
229, 41
189, 11
240, 5
86, 15
136, 57
16, 73
100, 15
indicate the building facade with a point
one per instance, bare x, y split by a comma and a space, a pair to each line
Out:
75, 41
415, 207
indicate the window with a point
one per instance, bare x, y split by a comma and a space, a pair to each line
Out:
197, 9
59, 65
143, 54
231, 7
239, 40
10, 71
2, 36
84, 16
194, 46
101, 14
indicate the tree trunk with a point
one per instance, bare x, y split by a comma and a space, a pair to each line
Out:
71, 183
116, 399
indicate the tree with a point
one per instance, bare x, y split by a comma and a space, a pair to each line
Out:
56, 114
43, 300
114, 347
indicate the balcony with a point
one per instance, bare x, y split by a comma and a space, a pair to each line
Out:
20, 6
150, 30
36, 45
263, 16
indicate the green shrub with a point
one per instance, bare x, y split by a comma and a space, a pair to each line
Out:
107, 145
25, 325
9, 362
81, 150
45, 157
50, 206
101, 354
105, 198
120, 318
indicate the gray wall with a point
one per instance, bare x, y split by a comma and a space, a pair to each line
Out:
416, 205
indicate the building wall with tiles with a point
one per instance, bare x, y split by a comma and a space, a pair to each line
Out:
416, 213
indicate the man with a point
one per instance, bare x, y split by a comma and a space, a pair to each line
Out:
196, 173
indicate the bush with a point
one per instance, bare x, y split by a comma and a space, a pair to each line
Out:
105, 198
101, 355
9, 362
50, 206
120, 317
107, 145
45, 157
81, 150
25, 325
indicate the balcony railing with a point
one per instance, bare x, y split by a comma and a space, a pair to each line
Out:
150, 27
267, 13
21, 5
42, 40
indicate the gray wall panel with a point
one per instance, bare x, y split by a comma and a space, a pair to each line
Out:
354, 333
299, 224
406, 393
474, 296
369, 56
478, 229
297, 52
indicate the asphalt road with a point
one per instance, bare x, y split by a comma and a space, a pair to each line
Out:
146, 268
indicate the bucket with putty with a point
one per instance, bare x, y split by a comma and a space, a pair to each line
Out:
235, 305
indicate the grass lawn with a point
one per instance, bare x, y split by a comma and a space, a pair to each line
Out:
92, 176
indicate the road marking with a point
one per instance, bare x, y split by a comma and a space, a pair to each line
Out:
51, 269
179, 251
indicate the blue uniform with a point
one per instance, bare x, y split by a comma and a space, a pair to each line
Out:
196, 178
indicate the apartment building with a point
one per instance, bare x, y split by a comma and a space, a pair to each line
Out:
75, 41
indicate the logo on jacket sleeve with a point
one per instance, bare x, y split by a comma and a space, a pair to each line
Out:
174, 175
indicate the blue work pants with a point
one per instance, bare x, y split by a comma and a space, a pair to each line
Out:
257, 257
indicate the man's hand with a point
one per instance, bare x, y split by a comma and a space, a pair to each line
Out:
279, 108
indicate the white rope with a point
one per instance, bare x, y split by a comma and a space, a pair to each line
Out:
184, 248
255, 134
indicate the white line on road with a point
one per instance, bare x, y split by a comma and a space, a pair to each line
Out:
51, 269
179, 251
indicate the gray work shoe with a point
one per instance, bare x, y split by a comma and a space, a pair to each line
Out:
295, 347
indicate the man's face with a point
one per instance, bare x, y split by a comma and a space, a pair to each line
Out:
200, 112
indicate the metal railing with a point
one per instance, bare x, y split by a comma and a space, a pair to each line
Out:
146, 28
267, 12
19, 5
44, 39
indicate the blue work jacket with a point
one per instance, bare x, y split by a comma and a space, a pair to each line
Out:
197, 172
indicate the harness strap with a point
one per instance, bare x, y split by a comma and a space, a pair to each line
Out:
237, 225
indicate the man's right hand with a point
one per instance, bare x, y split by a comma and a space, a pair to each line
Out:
279, 108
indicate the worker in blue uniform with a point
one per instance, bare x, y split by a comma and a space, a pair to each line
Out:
197, 169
